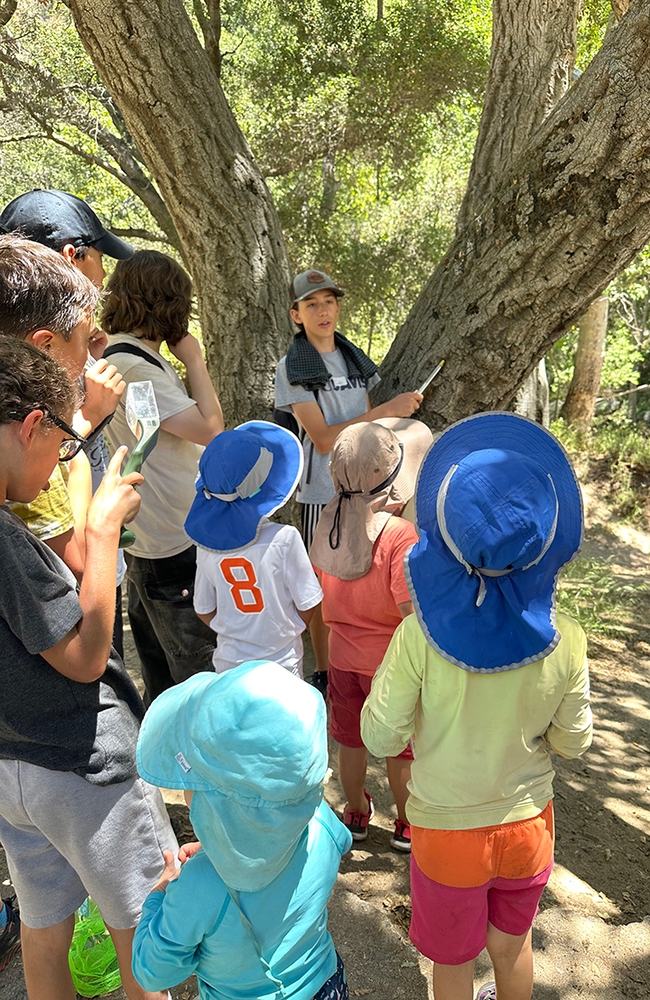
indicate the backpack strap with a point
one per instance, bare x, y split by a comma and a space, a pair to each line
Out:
132, 349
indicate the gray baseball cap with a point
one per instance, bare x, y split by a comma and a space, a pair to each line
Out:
54, 218
311, 281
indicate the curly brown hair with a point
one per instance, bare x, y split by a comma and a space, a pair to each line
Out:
32, 380
150, 293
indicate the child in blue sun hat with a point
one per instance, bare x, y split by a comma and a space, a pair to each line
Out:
489, 678
248, 912
255, 586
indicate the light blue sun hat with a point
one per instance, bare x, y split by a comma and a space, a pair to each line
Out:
244, 475
499, 512
252, 744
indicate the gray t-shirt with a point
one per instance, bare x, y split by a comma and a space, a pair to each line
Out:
46, 718
341, 399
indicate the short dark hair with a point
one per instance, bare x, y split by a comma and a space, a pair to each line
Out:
150, 293
39, 289
32, 380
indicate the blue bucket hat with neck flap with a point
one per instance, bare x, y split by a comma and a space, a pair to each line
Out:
245, 475
499, 512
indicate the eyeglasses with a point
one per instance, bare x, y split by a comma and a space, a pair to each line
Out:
71, 445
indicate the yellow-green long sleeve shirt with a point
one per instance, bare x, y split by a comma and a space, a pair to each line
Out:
481, 740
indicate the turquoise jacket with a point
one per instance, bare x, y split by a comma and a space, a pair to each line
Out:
197, 926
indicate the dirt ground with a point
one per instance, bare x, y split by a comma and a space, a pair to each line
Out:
592, 938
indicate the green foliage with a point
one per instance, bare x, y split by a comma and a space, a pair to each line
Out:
590, 593
622, 452
365, 127
592, 25
622, 358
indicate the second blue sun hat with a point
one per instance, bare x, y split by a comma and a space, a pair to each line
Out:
499, 512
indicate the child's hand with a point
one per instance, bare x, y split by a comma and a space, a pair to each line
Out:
170, 872
405, 404
116, 502
188, 851
187, 350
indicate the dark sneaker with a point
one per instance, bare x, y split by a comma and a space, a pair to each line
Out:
487, 992
10, 933
401, 839
319, 681
357, 822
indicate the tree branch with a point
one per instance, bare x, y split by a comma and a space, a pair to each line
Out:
37, 92
210, 25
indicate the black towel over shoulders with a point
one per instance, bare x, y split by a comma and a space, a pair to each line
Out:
305, 365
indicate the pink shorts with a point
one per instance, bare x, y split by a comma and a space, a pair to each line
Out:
449, 924
346, 693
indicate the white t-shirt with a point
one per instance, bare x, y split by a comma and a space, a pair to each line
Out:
171, 469
257, 591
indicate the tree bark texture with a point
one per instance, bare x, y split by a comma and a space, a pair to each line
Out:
580, 403
570, 214
150, 59
532, 399
531, 60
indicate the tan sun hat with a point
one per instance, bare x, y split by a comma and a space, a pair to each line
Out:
374, 470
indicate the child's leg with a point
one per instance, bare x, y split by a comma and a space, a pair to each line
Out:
45, 961
512, 958
398, 770
123, 941
353, 762
453, 982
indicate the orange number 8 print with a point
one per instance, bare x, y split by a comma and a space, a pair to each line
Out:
240, 575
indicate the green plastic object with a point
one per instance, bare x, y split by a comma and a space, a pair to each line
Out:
92, 958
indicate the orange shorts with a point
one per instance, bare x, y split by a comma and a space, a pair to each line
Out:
467, 858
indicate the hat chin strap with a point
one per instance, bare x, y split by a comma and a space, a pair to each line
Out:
251, 483
483, 571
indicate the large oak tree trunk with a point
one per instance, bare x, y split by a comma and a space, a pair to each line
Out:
151, 61
580, 403
568, 215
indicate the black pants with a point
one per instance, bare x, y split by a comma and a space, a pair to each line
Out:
171, 640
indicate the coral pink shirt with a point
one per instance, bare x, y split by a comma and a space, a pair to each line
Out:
363, 614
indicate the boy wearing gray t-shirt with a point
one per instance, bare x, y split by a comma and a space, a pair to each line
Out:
324, 380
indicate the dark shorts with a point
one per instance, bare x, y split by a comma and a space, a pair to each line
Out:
347, 691
171, 640
336, 987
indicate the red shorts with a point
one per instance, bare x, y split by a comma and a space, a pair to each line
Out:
346, 693
495, 874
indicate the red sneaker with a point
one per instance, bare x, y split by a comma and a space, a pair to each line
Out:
357, 822
401, 839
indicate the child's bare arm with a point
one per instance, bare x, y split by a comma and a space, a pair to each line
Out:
82, 654
206, 619
204, 421
308, 614
66, 547
405, 608
324, 435
80, 490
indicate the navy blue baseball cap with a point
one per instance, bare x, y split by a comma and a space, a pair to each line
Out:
55, 218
